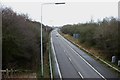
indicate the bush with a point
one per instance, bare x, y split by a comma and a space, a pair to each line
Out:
102, 35
21, 41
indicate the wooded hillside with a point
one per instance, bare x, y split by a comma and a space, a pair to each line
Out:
102, 35
21, 41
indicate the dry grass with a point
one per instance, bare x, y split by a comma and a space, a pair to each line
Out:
94, 51
46, 64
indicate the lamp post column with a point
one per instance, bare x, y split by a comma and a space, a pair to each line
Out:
41, 45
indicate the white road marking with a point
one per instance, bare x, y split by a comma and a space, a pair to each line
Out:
69, 58
50, 62
89, 64
56, 59
80, 75
86, 61
73, 65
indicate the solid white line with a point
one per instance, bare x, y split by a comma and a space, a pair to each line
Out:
80, 75
98, 58
73, 65
51, 73
86, 61
89, 64
56, 59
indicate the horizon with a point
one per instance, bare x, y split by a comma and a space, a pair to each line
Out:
70, 13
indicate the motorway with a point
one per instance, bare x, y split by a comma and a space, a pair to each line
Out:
74, 63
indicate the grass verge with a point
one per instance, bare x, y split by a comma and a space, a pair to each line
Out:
46, 63
92, 52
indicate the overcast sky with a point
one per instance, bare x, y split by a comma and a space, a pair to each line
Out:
72, 12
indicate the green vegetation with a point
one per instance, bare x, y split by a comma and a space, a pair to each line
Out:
21, 41
102, 36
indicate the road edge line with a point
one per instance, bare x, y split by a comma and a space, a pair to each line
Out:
89, 64
51, 71
85, 60
74, 66
56, 59
95, 56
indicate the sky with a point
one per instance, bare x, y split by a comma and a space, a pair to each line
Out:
72, 12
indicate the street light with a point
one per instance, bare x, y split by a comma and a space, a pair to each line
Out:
59, 3
41, 34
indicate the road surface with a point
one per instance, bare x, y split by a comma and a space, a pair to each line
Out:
74, 63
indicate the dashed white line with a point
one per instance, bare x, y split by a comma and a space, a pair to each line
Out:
66, 54
86, 61
69, 58
80, 75
74, 66
89, 64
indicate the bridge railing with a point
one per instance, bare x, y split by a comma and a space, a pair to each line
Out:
17, 73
